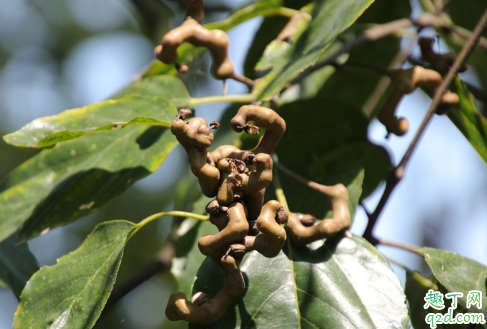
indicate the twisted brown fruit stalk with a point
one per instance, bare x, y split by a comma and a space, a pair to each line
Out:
234, 232
439, 62
196, 136
251, 183
405, 81
274, 125
205, 311
216, 41
273, 236
341, 220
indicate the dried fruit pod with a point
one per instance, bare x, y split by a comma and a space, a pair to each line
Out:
405, 81
194, 132
196, 136
275, 126
273, 236
234, 232
216, 41
203, 168
439, 62
307, 220
195, 9
206, 312
341, 220
251, 183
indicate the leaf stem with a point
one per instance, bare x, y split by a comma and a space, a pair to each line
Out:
398, 173
323, 189
250, 12
243, 98
174, 213
400, 245
281, 197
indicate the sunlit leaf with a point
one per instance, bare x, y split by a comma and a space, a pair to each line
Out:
106, 115
331, 137
469, 120
330, 18
458, 274
77, 177
72, 293
344, 283
166, 86
302, 199
17, 264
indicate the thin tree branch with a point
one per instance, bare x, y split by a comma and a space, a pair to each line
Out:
401, 245
466, 34
381, 87
397, 174
323, 189
476, 91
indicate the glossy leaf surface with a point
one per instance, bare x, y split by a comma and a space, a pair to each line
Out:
344, 283
469, 120
333, 148
77, 177
165, 86
330, 18
458, 274
72, 293
106, 115
17, 264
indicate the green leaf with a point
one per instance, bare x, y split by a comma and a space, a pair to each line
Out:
72, 293
458, 274
345, 283
76, 178
17, 264
302, 199
331, 136
106, 115
466, 15
188, 258
417, 286
330, 18
164, 86
354, 84
469, 120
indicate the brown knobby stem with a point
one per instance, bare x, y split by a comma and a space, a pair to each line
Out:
234, 232
196, 136
195, 9
273, 236
206, 171
396, 175
439, 62
216, 41
206, 311
238, 179
341, 220
405, 81
194, 132
275, 126
251, 182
